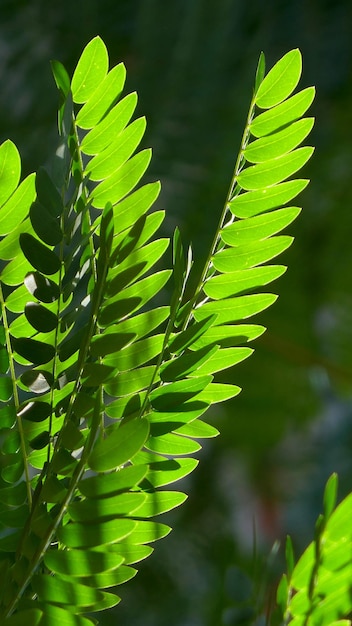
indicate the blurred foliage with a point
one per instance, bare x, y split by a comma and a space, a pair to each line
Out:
192, 63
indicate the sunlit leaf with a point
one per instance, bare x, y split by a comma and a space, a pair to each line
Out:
256, 202
75, 535
90, 71
282, 114
10, 169
108, 484
103, 97
275, 170
282, 79
120, 445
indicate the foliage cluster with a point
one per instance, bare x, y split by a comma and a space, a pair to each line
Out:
102, 390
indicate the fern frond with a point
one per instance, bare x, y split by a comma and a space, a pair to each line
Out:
101, 394
317, 588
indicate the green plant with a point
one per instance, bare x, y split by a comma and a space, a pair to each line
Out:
101, 395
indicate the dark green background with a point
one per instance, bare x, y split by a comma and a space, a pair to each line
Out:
193, 63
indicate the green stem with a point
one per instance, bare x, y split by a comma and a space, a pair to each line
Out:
16, 398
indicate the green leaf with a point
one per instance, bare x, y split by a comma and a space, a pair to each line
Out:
47, 193
279, 143
260, 72
174, 417
10, 170
171, 395
124, 504
133, 298
126, 406
35, 411
290, 559
283, 114
135, 265
172, 444
118, 152
35, 352
147, 532
167, 471
81, 562
222, 359
252, 254
119, 184
115, 121
17, 206
40, 317
40, 257
235, 309
280, 81
38, 381
275, 170
41, 287
187, 364
135, 206
108, 484
120, 445
127, 383
7, 415
91, 70
15, 271
110, 342
57, 616
330, 495
138, 325
131, 553
186, 338
54, 589
111, 579
259, 227
75, 535
198, 429
46, 227
159, 502
237, 282
136, 354
255, 202
95, 374
103, 98
61, 77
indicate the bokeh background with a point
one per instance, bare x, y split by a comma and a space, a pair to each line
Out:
193, 63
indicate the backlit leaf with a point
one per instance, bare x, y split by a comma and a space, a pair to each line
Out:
103, 98
283, 114
278, 143
108, 484
116, 154
251, 254
282, 79
119, 446
275, 170
121, 182
235, 309
81, 562
10, 170
233, 283
90, 71
256, 202
75, 535
259, 227
115, 121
